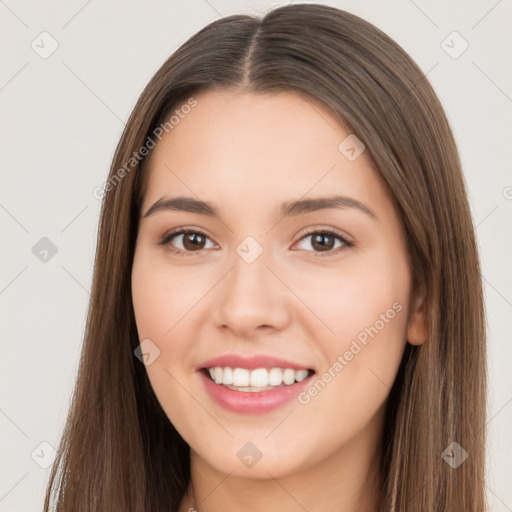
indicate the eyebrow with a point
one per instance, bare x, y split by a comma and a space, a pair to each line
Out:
287, 209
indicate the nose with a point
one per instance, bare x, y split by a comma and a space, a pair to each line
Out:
251, 299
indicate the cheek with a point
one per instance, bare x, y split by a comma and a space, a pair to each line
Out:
354, 297
366, 306
161, 297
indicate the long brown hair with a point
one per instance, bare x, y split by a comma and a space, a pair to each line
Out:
119, 450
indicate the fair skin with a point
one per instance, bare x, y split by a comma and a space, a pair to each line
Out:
247, 154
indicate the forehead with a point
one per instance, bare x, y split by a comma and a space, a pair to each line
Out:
266, 146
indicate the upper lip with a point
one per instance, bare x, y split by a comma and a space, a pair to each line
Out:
251, 362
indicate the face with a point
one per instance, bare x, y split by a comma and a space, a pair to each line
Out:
316, 296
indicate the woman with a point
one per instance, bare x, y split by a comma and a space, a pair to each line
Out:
286, 310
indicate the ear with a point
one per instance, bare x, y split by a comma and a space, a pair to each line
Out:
417, 324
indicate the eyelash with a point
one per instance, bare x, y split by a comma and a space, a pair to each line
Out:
167, 238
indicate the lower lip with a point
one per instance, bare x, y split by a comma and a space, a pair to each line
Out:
246, 402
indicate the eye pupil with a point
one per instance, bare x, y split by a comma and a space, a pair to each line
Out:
318, 242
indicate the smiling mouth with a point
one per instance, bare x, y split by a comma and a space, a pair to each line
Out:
256, 380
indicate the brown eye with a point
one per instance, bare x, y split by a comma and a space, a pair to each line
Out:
324, 242
186, 242
193, 241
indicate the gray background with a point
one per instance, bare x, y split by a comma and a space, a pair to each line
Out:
61, 119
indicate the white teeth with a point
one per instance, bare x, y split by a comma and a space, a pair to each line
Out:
275, 376
227, 377
240, 377
300, 375
289, 376
259, 378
